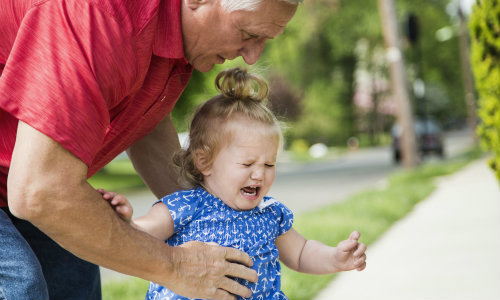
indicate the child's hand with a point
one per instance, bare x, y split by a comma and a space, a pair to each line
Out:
350, 254
119, 204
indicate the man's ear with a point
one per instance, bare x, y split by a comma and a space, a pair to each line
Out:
202, 162
195, 4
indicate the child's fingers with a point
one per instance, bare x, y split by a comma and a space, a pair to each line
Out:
361, 267
109, 195
120, 200
102, 191
354, 235
347, 245
360, 250
124, 210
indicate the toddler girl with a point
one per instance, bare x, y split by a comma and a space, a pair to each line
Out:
229, 167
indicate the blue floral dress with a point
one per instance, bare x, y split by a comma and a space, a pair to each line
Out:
200, 216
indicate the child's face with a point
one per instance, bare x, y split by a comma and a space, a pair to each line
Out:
244, 170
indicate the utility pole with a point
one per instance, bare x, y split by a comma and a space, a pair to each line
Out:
467, 79
398, 80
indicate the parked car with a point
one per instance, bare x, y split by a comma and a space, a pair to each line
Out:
429, 138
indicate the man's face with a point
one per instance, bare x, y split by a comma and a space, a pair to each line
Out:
211, 35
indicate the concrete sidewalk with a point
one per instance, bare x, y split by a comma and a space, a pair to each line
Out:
448, 247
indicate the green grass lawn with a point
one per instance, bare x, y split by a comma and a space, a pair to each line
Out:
371, 212
131, 289
117, 176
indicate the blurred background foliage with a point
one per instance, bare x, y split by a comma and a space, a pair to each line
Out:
328, 74
485, 58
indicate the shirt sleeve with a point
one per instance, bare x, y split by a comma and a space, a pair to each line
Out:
182, 207
55, 76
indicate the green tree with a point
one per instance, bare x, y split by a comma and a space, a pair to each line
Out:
485, 58
436, 62
317, 56
313, 65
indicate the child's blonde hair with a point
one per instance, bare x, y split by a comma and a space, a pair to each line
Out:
241, 94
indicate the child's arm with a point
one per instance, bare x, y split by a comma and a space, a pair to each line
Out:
308, 256
157, 222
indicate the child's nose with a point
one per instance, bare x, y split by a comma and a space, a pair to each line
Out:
257, 173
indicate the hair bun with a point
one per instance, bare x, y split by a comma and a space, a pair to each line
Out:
239, 84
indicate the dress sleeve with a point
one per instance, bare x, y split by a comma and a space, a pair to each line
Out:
182, 207
55, 76
286, 220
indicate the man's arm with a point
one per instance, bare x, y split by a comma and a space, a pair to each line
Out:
47, 186
152, 158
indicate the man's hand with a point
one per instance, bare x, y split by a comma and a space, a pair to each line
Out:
202, 270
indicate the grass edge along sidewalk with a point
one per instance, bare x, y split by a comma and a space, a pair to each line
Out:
371, 212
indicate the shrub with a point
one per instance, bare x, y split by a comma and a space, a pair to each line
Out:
485, 59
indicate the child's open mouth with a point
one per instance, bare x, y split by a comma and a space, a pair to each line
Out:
250, 191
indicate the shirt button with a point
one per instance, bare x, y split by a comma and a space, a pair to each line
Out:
163, 98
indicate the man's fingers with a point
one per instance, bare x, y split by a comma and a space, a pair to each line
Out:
209, 269
223, 295
233, 287
240, 271
235, 255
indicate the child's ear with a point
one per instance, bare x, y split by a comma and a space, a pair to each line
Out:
202, 162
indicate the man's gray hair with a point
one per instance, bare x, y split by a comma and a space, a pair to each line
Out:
233, 5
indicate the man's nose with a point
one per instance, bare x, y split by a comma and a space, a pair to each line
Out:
252, 52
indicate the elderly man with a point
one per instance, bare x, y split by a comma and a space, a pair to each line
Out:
81, 81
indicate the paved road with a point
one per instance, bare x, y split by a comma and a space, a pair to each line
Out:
307, 186
311, 185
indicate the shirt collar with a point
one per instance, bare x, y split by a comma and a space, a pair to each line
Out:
168, 38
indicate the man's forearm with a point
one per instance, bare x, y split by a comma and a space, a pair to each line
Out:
84, 224
94, 232
47, 186
152, 158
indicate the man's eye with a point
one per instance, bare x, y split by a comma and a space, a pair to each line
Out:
247, 36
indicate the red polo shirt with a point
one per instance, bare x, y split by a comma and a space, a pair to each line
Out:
94, 75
